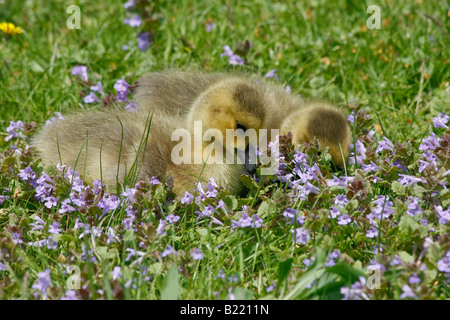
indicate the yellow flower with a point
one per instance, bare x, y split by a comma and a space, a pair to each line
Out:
10, 28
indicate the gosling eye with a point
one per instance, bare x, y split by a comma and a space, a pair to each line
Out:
240, 126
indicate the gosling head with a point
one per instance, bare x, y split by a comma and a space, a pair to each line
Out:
231, 106
325, 123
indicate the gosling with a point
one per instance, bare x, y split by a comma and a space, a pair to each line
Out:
109, 145
176, 90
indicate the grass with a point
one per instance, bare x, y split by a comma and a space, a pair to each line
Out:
396, 75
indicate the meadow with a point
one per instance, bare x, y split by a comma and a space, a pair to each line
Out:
379, 230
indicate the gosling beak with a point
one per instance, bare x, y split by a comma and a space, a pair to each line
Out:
248, 157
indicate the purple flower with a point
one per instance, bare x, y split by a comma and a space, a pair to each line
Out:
372, 232
143, 40
108, 203
39, 224
130, 193
81, 71
429, 143
407, 292
167, 251
234, 59
154, 181
51, 202
212, 191
443, 215
351, 117
54, 228
344, 219
59, 116
408, 180
98, 88
43, 282
413, 207
300, 235
161, 231
443, 265
87, 255
70, 295
134, 21
27, 174
197, 254
356, 291
121, 87
414, 279
332, 258
187, 199
335, 212
385, 145
91, 98
14, 129
210, 26
287, 88
129, 4
441, 121
171, 218
246, 221
272, 74
16, 238
116, 273
340, 201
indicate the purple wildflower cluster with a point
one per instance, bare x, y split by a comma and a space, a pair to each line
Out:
136, 20
121, 86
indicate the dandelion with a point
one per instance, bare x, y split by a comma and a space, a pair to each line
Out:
9, 28
81, 71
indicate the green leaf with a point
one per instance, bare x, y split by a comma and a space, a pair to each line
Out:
267, 208
242, 294
398, 188
170, 287
231, 202
249, 182
283, 270
346, 272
